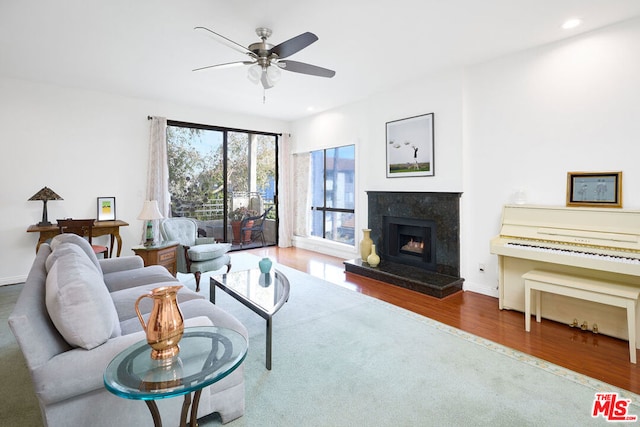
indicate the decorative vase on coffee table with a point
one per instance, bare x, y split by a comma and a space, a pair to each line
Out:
373, 259
265, 265
365, 244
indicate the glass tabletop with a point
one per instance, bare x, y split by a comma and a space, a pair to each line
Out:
207, 354
266, 292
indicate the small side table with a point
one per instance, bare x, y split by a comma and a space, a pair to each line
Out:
165, 254
207, 354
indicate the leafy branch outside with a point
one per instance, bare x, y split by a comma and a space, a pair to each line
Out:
196, 170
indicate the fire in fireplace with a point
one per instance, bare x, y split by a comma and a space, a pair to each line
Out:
410, 241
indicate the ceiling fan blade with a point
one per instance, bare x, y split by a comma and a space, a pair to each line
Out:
228, 42
296, 44
303, 68
225, 65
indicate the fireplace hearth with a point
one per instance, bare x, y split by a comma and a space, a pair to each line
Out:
417, 235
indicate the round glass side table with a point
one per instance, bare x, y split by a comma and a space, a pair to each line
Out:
207, 354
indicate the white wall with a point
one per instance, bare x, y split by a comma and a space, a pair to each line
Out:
522, 121
363, 124
536, 115
83, 145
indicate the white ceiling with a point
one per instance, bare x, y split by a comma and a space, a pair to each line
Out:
147, 48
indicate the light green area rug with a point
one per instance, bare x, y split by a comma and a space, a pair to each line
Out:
341, 358
18, 403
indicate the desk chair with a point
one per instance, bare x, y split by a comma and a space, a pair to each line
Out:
84, 228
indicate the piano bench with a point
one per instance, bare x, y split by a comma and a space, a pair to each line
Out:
596, 290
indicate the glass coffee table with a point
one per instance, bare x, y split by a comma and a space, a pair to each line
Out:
263, 293
207, 354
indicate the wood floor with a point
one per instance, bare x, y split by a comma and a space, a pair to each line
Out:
597, 356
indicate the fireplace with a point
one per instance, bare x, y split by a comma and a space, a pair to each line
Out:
441, 210
417, 236
410, 241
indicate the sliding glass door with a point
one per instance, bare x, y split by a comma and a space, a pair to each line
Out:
251, 178
218, 176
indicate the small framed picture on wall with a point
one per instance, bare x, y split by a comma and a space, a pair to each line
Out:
106, 208
594, 189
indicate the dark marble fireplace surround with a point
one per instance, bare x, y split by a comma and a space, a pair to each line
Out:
441, 208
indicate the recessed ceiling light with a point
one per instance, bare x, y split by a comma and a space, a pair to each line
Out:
571, 23
310, 108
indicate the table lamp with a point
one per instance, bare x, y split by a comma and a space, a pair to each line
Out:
149, 213
45, 195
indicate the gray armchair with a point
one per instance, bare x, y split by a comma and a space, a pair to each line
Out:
196, 255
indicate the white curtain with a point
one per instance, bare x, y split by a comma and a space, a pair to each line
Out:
302, 192
158, 170
285, 195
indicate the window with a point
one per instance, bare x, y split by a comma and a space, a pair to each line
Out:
333, 194
213, 171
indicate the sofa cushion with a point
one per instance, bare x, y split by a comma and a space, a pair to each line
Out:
77, 299
79, 241
209, 251
132, 326
126, 279
125, 299
212, 264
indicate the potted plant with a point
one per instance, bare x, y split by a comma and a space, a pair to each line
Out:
236, 216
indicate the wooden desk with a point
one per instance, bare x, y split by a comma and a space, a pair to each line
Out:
100, 228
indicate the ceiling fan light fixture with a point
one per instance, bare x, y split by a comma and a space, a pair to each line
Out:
254, 73
273, 74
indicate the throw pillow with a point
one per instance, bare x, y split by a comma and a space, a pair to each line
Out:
207, 252
79, 241
77, 299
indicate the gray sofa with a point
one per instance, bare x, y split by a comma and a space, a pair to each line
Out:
75, 313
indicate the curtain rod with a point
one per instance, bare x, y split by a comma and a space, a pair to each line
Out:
278, 134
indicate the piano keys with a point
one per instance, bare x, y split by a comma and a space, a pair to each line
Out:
601, 243
570, 251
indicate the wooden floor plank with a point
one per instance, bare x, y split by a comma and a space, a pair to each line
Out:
598, 356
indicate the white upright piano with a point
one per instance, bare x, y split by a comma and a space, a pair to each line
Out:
601, 243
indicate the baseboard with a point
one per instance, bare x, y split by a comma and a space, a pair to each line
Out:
338, 250
12, 280
480, 289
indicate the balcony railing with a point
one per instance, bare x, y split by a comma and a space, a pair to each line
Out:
211, 210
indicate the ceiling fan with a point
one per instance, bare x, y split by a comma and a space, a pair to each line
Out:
266, 60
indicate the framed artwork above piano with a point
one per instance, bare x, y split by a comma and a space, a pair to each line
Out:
594, 189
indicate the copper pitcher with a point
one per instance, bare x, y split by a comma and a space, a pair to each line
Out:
165, 325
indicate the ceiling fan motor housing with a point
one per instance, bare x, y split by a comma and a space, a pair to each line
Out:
263, 49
